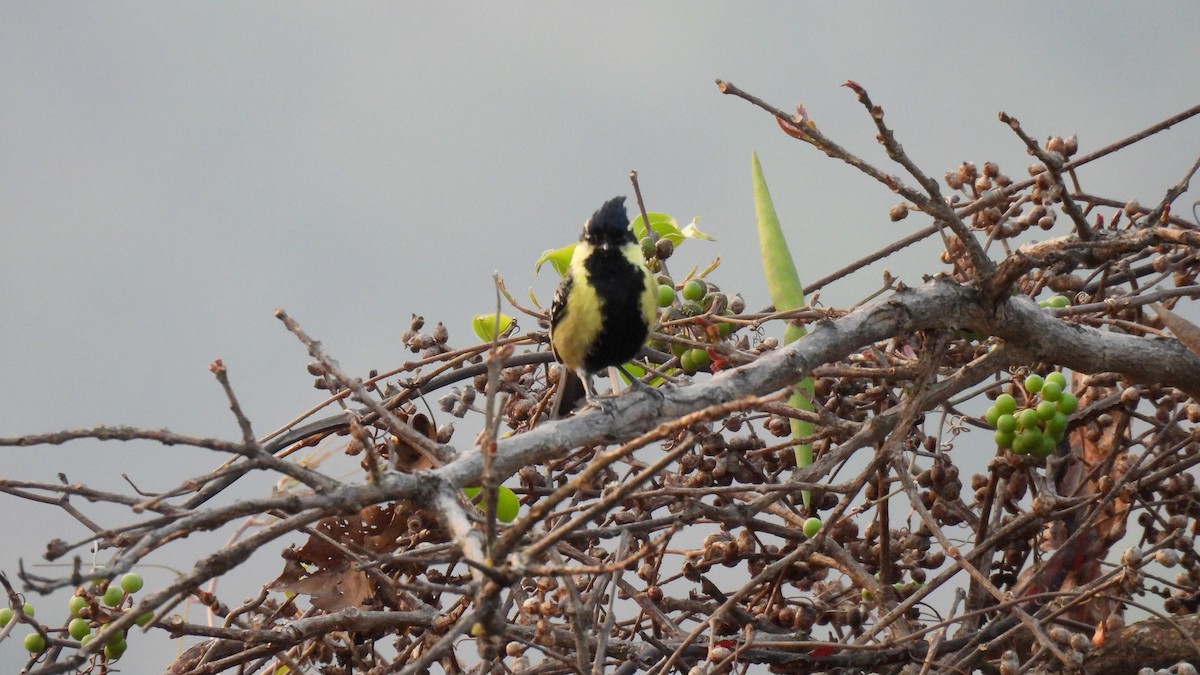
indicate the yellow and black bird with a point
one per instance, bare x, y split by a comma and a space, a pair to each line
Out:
605, 306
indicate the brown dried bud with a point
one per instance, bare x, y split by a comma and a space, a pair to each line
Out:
1070, 145
898, 212
1036, 168
1056, 144
991, 169
967, 173
952, 181
1132, 208
983, 184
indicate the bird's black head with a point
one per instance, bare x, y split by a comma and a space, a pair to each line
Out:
609, 225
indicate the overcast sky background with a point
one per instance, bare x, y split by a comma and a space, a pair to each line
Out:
171, 173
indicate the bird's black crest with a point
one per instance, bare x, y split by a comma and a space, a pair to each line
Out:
609, 223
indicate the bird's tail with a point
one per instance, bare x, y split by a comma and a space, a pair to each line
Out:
571, 392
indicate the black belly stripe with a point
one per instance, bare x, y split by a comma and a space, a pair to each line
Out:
619, 285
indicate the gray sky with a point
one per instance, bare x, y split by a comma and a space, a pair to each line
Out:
171, 173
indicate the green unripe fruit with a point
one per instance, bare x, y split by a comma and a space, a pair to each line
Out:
725, 328
1058, 378
76, 605
694, 290
1027, 441
694, 359
1057, 426
1046, 410
649, 250
1032, 438
992, 416
1006, 424
144, 619
132, 582
691, 308
35, 643
86, 639
1028, 419
6, 615
79, 628
28, 609
666, 295
113, 596
1005, 403
1033, 383
1051, 391
1004, 439
678, 350
812, 526
115, 648
1068, 403
1045, 448
1056, 302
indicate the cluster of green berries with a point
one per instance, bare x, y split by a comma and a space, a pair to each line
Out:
91, 607
1038, 427
696, 298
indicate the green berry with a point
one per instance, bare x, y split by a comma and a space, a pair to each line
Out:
115, 648
1005, 403
113, 596
1056, 301
1004, 439
35, 643
1045, 448
694, 359
1056, 426
1068, 403
1032, 437
1028, 419
76, 605
1006, 424
992, 416
143, 619
78, 628
725, 328
694, 290
666, 295
812, 526
1046, 410
1033, 383
1051, 391
691, 308
1057, 377
28, 609
649, 249
6, 615
132, 582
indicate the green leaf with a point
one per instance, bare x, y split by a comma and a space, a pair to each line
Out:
559, 258
489, 326
507, 503
783, 283
665, 226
